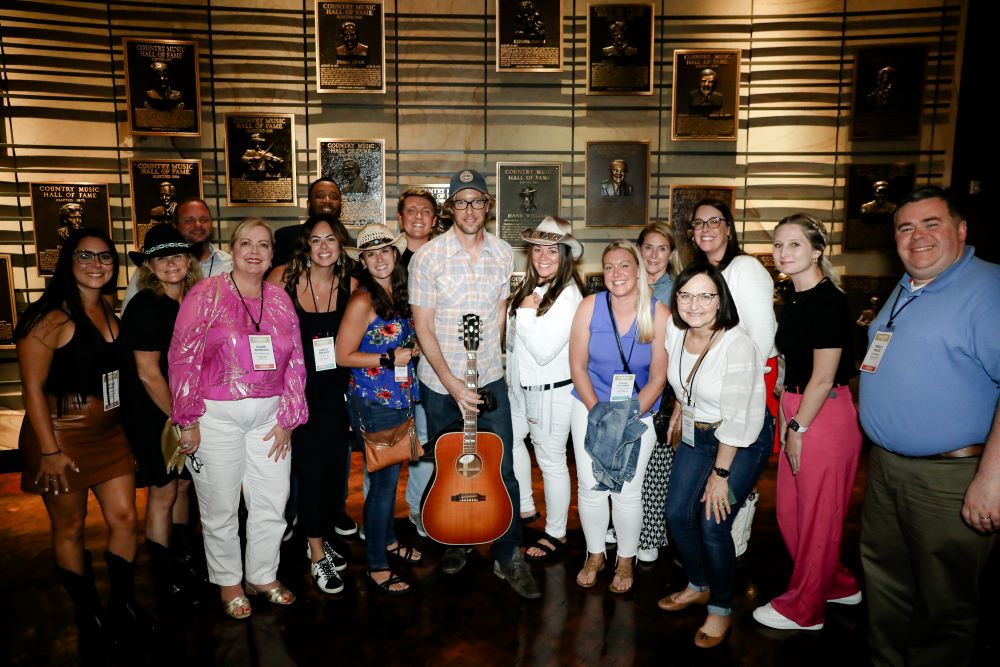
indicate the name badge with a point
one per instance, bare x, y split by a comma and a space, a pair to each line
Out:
261, 352
324, 353
402, 373
687, 425
877, 350
621, 386
112, 390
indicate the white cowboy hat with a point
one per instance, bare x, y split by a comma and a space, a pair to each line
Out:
376, 236
553, 230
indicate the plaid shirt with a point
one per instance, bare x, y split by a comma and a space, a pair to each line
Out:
443, 278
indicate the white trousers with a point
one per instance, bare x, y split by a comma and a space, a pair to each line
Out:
234, 456
626, 507
549, 431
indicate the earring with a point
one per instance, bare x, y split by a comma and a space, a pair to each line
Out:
309, 263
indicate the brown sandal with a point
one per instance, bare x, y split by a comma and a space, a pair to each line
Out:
621, 575
590, 568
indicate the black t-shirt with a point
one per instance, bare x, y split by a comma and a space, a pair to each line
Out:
147, 326
815, 319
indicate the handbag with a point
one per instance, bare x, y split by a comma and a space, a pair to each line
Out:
391, 445
170, 447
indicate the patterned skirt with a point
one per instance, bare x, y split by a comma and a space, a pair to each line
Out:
654, 497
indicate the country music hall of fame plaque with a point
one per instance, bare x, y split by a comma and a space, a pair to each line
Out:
8, 307
617, 183
157, 187
260, 159
350, 47
529, 36
682, 201
873, 195
888, 92
526, 193
706, 104
59, 208
620, 49
162, 87
358, 167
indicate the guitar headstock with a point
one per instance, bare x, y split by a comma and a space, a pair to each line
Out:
470, 331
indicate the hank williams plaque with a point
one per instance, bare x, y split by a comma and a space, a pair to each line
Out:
162, 87
157, 187
350, 47
529, 36
260, 159
8, 307
706, 105
617, 183
526, 193
620, 49
358, 167
59, 208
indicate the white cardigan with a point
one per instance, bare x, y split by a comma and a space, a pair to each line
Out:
540, 353
753, 291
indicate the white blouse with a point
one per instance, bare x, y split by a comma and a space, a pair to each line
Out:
541, 344
753, 291
728, 386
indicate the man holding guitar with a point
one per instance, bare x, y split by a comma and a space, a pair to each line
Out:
466, 271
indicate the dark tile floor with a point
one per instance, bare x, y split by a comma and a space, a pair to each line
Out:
468, 619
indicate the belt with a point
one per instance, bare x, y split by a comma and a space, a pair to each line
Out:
706, 426
546, 387
800, 390
963, 453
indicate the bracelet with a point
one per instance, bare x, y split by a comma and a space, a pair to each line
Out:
383, 360
189, 427
58, 451
391, 353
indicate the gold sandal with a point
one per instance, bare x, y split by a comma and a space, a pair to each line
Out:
620, 573
233, 607
590, 568
279, 595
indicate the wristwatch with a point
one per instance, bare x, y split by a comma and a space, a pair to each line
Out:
721, 472
797, 427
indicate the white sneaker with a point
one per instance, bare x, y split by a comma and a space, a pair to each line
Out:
648, 555
766, 615
610, 537
848, 600
418, 523
326, 577
338, 562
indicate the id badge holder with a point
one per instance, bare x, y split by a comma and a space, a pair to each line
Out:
324, 353
687, 425
876, 351
111, 386
262, 352
621, 386
401, 373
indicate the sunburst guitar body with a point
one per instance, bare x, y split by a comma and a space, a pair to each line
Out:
466, 501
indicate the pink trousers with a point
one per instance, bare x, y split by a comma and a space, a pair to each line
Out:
811, 507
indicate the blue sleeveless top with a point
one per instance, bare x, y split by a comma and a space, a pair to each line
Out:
379, 384
605, 360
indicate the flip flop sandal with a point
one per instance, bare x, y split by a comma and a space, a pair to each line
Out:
550, 551
385, 587
588, 567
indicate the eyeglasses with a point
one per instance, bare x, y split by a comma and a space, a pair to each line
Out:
711, 223
196, 463
88, 257
702, 299
461, 204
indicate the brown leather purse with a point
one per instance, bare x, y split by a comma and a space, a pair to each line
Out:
391, 446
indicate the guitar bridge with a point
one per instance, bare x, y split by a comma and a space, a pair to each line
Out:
468, 498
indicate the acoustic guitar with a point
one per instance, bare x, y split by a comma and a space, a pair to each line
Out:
466, 500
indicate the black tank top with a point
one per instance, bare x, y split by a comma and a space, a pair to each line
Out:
321, 325
78, 366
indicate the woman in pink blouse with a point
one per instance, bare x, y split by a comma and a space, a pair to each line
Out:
238, 380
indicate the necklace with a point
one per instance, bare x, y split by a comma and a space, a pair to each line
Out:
329, 299
256, 323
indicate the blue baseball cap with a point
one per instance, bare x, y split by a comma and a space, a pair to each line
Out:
468, 178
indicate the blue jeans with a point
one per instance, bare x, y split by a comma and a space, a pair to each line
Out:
380, 503
442, 411
705, 547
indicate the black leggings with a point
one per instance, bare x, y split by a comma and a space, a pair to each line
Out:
320, 450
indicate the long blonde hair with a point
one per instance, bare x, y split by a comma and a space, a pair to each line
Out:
645, 331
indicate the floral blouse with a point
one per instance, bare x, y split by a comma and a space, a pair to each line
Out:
379, 384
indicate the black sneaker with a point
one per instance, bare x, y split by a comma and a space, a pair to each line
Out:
290, 529
345, 525
326, 577
339, 562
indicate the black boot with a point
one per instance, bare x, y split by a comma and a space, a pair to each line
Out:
91, 622
127, 617
169, 586
186, 562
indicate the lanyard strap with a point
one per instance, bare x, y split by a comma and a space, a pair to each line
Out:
893, 313
260, 317
687, 385
621, 352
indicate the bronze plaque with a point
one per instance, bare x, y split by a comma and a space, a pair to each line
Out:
873, 194
260, 159
620, 49
617, 183
157, 187
593, 283
358, 167
706, 104
888, 92
162, 87
8, 307
57, 209
529, 36
682, 201
526, 193
350, 47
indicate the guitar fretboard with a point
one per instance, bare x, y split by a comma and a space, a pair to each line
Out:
469, 417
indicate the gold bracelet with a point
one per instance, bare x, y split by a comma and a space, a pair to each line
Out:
189, 427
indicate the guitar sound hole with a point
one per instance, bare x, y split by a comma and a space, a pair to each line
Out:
469, 465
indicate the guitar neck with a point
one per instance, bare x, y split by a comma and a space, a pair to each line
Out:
470, 418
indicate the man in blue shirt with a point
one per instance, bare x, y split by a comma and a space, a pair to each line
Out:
929, 399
